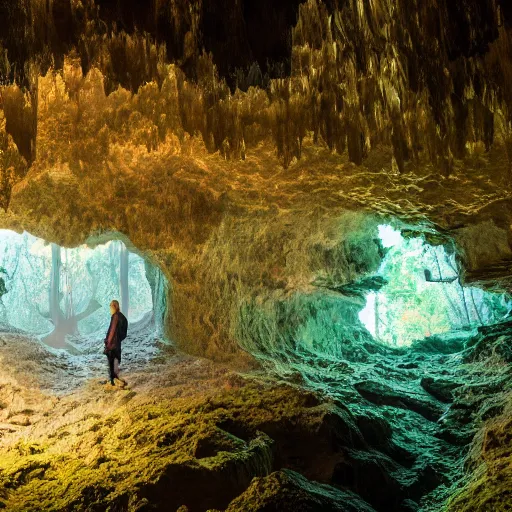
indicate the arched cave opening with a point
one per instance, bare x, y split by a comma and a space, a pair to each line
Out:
419, 387
59, 298
421, 294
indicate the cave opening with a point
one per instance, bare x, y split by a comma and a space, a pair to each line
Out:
59, 297
419, 384
422, 294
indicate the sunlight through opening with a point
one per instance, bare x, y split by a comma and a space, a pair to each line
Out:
59, 293
423, 295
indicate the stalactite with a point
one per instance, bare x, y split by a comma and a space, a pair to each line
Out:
361, 75
158, 286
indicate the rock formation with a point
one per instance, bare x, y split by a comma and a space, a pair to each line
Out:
251, 152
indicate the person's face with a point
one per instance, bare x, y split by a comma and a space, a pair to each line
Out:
112, 309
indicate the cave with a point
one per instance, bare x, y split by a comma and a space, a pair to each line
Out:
304, 211
60, 298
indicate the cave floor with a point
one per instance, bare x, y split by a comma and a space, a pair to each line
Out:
385, 431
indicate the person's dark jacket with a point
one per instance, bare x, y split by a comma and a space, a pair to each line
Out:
112, 341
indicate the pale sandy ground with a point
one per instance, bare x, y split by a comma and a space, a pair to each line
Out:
43, 389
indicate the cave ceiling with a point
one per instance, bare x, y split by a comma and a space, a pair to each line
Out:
162, 121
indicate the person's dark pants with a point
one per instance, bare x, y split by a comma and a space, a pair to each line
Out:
111, 356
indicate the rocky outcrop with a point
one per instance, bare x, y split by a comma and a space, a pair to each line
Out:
288, 491
382, 394
487, 485
442, 389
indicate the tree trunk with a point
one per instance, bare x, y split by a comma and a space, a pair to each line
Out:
465, 304
55, 295
457, 313
124, 259
476, 309
377, 326
68, 289
158, 294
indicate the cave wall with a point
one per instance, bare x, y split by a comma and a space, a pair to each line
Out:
246, 196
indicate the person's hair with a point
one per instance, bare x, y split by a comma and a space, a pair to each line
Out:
115, 303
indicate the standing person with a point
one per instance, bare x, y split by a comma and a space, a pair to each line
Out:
115, 334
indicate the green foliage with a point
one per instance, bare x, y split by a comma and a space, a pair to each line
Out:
410, 308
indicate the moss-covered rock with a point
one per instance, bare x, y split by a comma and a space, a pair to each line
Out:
287, 491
